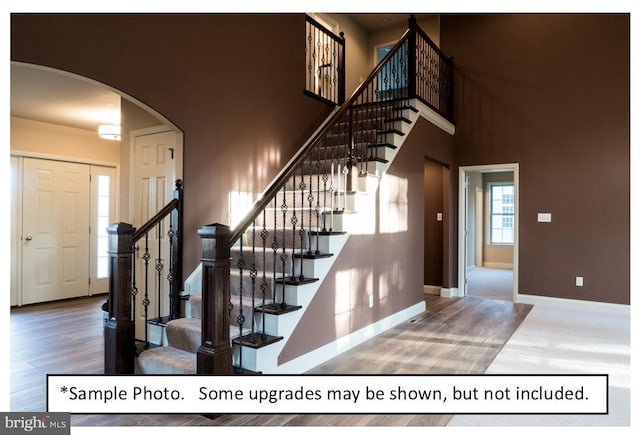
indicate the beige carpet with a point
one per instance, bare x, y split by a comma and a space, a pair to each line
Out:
562, 341
490, 283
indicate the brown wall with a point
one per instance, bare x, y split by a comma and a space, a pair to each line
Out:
233, 84
393, 274
551, 92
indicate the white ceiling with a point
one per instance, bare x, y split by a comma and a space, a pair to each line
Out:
50, 96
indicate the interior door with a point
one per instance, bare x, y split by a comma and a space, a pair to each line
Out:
55, 230
154, 179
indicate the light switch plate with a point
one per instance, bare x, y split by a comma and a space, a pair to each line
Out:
544, 217
439, 217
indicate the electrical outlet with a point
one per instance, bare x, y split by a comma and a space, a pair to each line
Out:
579, 281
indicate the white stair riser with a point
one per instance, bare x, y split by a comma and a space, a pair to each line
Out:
157, 335
264, 359
368, 183
386, 153
278, 325
360, 202
395, 125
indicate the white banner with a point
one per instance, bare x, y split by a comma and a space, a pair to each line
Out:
335, 394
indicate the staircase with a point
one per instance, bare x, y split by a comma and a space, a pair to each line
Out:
275, 279
258, 279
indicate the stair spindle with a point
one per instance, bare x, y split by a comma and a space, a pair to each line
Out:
274, 247
302, 231
240, 318
294, 222
310, 199
283, 254
159, 270
145, 302
263, 285
317, 164
253, 273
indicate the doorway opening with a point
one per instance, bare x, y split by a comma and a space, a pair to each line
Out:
488, 231
436, 222
68, 182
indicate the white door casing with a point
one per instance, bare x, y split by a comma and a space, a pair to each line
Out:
462, 206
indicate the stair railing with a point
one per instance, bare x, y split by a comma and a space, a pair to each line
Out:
246, 269
126, 283
325, 67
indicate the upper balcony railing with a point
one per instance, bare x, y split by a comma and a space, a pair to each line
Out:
324, 52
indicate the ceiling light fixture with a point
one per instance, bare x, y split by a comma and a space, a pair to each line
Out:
109, 131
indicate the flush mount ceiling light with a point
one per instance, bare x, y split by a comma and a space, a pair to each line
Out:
109, 131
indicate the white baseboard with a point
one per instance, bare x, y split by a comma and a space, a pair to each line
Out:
452, 292
432, 290
494, 265
575, 305
309, 360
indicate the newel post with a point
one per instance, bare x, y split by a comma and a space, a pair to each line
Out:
119, 330
215, 354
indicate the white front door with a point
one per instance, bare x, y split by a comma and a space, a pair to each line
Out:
55, 230
154, 175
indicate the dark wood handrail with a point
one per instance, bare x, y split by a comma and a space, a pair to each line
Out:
328, 32
306, 149
144, 229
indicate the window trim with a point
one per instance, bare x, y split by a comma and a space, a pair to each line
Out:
490, 213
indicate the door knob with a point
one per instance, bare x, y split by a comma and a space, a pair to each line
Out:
28, 238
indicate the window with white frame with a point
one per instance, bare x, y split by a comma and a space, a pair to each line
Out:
104, 216
501, 213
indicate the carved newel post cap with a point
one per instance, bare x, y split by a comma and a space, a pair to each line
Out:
214, 231
120, 228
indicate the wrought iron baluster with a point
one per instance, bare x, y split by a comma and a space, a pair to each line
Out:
159, 267
325, 178
294, 222
345, 172
253, 273
332, 191
301, 231
310, 199
263, 285
170, 276
240, 318
145, 302
283, 255
317, 165
274, 247
134, 287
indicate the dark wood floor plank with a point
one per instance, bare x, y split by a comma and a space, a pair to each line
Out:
454, 335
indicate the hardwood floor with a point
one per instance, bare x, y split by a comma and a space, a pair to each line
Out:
59, 337
458, 335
